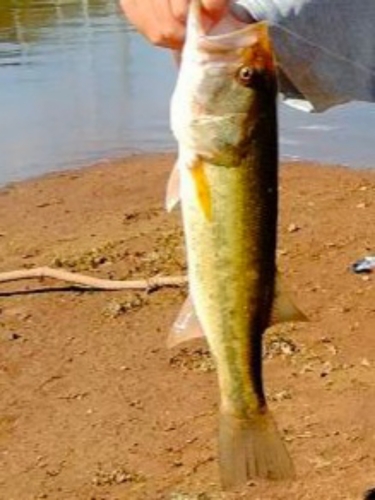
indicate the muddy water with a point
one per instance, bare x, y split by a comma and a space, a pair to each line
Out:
78, 84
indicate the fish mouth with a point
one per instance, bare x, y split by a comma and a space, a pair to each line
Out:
227, 34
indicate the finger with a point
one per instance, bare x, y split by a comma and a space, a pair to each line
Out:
171, 31
172, 40
179, 9
170, 37
155, 21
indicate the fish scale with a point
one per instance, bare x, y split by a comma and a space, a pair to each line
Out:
224, 118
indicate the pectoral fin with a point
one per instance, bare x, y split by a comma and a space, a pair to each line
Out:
284, 309
202, 187
186, 327
173, 189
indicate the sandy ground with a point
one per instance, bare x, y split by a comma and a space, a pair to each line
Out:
94, 407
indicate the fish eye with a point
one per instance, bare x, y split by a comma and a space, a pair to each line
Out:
245, 75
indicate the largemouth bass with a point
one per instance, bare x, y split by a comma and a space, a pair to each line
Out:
224, 118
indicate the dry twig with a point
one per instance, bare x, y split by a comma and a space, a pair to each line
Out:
93, 283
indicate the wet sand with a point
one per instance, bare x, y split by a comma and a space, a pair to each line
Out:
93, 405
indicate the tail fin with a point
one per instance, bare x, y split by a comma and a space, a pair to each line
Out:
250, 449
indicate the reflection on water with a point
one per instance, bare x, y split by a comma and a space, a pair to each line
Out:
78, 84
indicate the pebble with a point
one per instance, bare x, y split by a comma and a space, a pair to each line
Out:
293, 228
282, 251
14, 336
365, 362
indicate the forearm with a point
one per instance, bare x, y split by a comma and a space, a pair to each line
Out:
272, 11
325, 48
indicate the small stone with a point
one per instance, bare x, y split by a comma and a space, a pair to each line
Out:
52, 472
120, 477
346, 366
366, 363
321, 463
14, 336
327, 368
306, 368
332, 349
170, 427
281, 396
326, 340
282, 251
293, 228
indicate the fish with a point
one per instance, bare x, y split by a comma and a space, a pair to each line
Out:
224, 118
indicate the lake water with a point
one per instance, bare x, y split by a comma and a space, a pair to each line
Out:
78, 84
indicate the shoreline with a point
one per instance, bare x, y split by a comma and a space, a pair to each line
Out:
95, 406
154, 156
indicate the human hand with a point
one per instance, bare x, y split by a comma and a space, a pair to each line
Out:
163, 22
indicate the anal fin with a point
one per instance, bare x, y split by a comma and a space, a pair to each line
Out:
186, 327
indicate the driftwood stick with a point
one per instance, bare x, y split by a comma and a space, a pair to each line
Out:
90, 282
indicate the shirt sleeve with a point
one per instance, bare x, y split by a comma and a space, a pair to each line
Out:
325, 49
